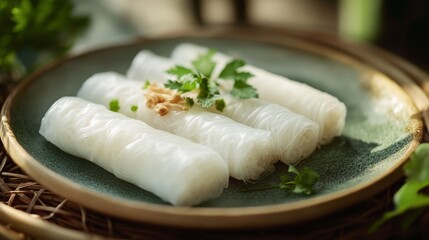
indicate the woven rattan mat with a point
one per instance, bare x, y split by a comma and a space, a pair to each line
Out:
21, 192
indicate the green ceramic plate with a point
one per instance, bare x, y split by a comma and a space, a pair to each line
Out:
382, 128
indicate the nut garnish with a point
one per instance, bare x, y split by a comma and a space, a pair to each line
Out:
164, 100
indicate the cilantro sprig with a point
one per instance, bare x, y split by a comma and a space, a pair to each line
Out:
410, 200
199, 78
241, 88
298, 181
188, 81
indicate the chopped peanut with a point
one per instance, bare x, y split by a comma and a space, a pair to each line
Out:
164, 100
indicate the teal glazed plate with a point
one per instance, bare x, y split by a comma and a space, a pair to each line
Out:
383, 127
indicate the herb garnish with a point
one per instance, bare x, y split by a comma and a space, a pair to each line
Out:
241, 88
189, 101
199, 80
146, 84
134, 108
204, 63
114, 105
410, 200
298, 181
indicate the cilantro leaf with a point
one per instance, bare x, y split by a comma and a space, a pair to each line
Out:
184, 83
214, 88
206, 102
189, 83
205, 97
204, 63
179, 71
173, 84
114, 105
302, 182
244, 90
146, 84
231, 71
189, 101
208, 95
241, 88
204, 89
220, 104
199, 79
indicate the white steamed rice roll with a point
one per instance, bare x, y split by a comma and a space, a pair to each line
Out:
295, 137
323, 108
247, 150
175, 169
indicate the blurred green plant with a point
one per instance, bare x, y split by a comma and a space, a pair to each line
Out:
32, 30
412, 199
360, 19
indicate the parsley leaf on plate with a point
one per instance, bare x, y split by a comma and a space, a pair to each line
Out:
298, 181
302, 183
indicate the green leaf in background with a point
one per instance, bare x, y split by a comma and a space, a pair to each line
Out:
32, 27
418, 167
410, 198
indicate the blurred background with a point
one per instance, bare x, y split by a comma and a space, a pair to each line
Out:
400, 26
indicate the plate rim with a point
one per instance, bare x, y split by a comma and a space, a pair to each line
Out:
200, 217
